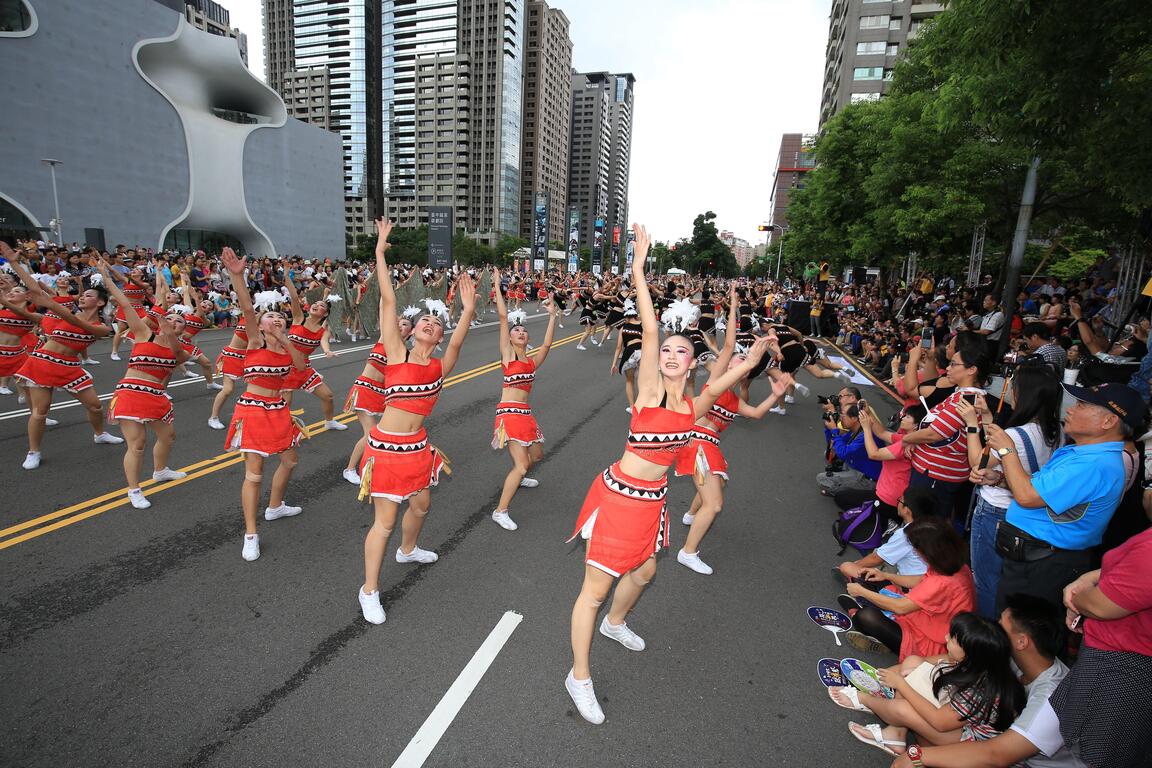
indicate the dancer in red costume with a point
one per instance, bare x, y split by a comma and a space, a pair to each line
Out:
309, 331
137, 291
17, 322
230, 366
702, 458
624, 518
399, 464
515, 426
262, 425
141, 401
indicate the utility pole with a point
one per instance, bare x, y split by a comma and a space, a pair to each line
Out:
1016, 258
55, 198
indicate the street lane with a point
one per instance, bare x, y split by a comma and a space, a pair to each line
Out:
139, 637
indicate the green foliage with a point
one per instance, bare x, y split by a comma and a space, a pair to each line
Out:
708, 255
1075, 264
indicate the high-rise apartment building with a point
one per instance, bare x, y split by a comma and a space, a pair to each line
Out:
600, 151
327, 70
214, 18
794, 161
864, 38
547, 118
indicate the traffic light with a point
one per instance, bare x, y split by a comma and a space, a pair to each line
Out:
763, 227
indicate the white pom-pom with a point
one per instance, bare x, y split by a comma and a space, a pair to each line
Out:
436, 307
96, 279
213, 295
411, 311
180, 309
333, 298
267, 301
63, 274
630, 308
679, 315
517, 317
7, 268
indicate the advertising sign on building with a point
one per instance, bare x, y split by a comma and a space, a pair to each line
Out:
440, 237
573, 240
631, 248
597, 246
540, 231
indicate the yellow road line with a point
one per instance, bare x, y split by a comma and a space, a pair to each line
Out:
77, 512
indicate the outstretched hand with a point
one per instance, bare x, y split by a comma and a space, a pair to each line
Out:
383, 230
640, 251
467, 289
232, 262
759, 347
780, 386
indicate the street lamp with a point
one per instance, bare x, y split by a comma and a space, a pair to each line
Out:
779, 254
55, 197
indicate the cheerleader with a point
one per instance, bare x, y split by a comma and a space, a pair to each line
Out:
589, 300
398, 463
615, 317
623, 516
626, 358
262, 425
140, 400
702, 457
515, 426
56, 361
309, 331
230, 365
137, 291
16, 323
195, 316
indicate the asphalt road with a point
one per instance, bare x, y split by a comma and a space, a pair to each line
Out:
141, 638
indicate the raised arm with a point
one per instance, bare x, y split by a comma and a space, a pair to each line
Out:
235, 266
136, 324
553, 312
293, 298
729, 347
727, 379
502, 321
467, 291
779, 389
648, 374
21, 309
389, 327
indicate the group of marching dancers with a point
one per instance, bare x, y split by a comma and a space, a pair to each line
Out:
623, 518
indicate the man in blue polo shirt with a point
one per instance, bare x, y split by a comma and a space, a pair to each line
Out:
1059, 514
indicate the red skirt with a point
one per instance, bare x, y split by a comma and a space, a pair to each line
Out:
140, 400
397, 467
366, 395
307, 379
262, 425
624, 520
12, 359
514, 421
230, 363
702, 455
49, 370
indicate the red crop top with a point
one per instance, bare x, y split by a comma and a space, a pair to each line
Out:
304, 339
193, 324
71, 336
135, 294
152, 358
724, 410
657, 434
241, 331
520, 374
14, 324
413, 388
265, 368
378, 357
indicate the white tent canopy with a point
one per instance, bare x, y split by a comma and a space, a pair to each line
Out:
676, 271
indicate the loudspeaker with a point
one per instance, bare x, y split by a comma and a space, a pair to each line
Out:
94, 236
799, 316
859, 275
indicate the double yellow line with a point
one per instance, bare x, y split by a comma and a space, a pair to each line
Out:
39, 526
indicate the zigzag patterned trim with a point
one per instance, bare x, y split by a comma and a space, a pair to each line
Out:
268, 405
82, 336
621, 486
518, 379
151, 361
513, 411
370, 385
266, 370
232, 353
390, 447
11, 351
658, 439
42, 355
708, 437
136, 387
304, 343
416, 391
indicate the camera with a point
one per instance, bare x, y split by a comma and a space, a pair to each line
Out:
831, 400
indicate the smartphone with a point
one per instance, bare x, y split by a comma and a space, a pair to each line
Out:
971, 398
926, 341
1078, 623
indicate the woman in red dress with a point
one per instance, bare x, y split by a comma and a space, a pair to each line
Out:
230, 365
262, 425
310, 330
140, 400
623, 516
17, 321
399, 464
515, 426
137, 291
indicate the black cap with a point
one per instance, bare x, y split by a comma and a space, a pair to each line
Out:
1121, 399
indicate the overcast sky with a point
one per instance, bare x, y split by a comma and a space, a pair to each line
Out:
717, 83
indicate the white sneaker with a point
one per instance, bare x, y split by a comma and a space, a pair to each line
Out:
528, 482
89, 361
694, 562
351, 476
21, 399
789, 399
275, 513
5, 391
114, 356
584, 697
136, 496
371, 608
251, 547
622, 635
688, 518
503, 520
190, 374
335, 425
844, 375
581, 347
214, 385
417, 555
803, 390
628, 409
779, 410
32, 460
215, 423
106, 439
50, 422
161, 475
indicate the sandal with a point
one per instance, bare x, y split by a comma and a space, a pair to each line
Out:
873, 735
863, 642
851, 694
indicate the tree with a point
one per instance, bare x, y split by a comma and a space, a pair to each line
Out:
505, 247
709, 256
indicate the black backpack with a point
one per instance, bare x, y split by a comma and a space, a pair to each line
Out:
860, 527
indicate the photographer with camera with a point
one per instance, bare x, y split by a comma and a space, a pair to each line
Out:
847, 442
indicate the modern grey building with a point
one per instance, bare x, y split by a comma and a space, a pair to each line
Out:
864, 38
177, 144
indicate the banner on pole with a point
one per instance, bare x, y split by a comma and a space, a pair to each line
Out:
440, 237
597, 246
573, 240
540, 231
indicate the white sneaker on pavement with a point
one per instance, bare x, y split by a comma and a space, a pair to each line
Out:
688, 518
417, 555
844, 375
778, 410
5, 391
371, 608
789, 399
528, 482
89, 361
275, 513
114, 356
50, 422
32, 460
621, 634
251, 547
215, 423
190, 374
581, 347
214, 385
136, 497
335, 425
107, 439
351, 476
803, 390
503, 520
628, 409
694, 562
584, 697
161, 475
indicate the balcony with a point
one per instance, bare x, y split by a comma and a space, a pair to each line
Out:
920, 9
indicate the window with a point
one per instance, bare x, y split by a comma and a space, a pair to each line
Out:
873, 22
868, 73
894, 23
865, 49
855, 97
892, 50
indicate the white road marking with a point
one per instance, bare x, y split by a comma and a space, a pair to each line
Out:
857, 377
72, 403
445, 712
